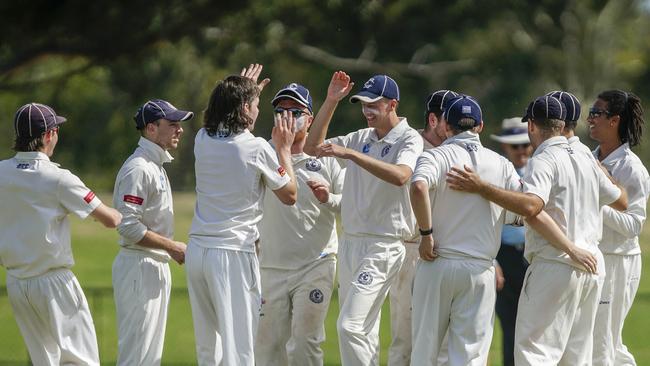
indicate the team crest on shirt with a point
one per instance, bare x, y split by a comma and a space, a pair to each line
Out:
316, 296
366, 148
471, 147
365, 278
282, 171
313, 165
569, 149
385, 150
222, 132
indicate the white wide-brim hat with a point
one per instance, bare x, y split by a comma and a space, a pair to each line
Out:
513, 132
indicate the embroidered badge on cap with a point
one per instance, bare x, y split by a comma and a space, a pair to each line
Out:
365, 278
313, 165
282, 171
89, 197
133, 199
467, 109
316, 296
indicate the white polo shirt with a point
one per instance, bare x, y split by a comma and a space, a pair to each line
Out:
621, 229
143, 196
232, 172
294, 236
370, 205
577, 145
573, 189
465, 225
36, 198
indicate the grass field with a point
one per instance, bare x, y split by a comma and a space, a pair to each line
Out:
95, 248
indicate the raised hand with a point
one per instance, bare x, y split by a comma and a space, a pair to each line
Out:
340, 86
282, 133
320, 190
427, 248
464, 180
253, 72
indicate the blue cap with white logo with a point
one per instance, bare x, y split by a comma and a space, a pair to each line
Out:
461, 107
156, 109
545, 107
296, 92
377, 87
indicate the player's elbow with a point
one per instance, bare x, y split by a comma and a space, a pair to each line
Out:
112, 220
289, 200
287, 194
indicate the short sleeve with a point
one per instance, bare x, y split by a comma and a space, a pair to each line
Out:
273, 174
130, 198
538, 179
75, 196
608, 192
337, 176
427, 169
411, 150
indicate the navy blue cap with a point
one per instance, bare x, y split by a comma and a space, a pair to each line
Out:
571, 103
545, 107
377, 87
34, 119
296, 92
461, 107
436, 101
156, 109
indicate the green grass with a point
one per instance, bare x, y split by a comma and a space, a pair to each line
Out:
95, 248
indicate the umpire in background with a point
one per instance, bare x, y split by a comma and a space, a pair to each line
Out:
512, 265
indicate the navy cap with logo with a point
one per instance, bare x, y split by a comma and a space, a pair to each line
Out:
545, 107
34, 119
377, 87
436, 101
571, 103
461, 107
156, 109
296, 92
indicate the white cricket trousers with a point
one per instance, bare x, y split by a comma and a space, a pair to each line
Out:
141, 288
556, 314
368, 266
453, 298
53, 316
224, 289
399, 353
294, 308
623, 273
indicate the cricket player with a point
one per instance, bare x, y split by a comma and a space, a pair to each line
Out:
511, 265
143, 195
456, 292
557, 306
399, 353
37, 196
375, 210
572, 105
298, 247
233, 169
616, 122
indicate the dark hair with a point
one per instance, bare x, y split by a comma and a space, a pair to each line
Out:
225, 109
26, 143
144, 128
628, 107
549, 126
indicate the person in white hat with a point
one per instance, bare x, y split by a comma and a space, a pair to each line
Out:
511, 264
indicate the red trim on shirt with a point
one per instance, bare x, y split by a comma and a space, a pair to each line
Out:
89, 197
282, 171
133, 199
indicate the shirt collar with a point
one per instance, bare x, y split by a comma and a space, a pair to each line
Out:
156, 153
555, 140
394, 134
463, 138
31, 155
615, 155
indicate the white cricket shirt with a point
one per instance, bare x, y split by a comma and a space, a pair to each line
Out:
621, 230
577, 145
232, 172
573, 189
36, 198
143, 196
464, 224
294, 236
370, 205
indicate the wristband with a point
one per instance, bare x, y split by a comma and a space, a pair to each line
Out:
426, 232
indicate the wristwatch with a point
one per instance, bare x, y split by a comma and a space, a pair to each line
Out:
426, 232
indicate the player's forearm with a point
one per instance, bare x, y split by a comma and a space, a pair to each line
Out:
522, 204
289, 193
621, 203
548, 229
420, 204
318, 130
625, 223
154, 240
391, 173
